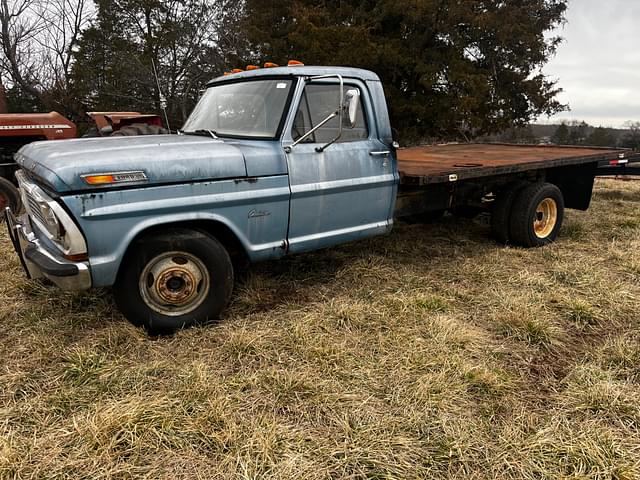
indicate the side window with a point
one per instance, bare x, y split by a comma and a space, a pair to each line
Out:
317, 103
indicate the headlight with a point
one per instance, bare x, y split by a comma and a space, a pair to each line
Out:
51, 222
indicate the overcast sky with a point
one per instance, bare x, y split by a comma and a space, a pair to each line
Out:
598, 65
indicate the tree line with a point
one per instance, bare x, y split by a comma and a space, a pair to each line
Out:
581, 133
451, 68
573, 132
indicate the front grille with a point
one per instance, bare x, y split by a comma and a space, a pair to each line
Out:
32, 196
33, 209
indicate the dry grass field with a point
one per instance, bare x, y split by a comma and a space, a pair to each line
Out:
431, 353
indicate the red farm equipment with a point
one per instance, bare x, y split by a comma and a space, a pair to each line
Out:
19, 129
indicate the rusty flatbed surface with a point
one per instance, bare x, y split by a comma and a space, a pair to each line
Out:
452, 162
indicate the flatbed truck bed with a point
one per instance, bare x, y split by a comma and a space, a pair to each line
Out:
435, 164
465, 179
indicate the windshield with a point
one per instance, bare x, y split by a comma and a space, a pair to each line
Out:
244, 109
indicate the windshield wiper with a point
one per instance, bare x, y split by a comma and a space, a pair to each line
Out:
202, 133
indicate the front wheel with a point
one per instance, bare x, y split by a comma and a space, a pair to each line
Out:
174, 280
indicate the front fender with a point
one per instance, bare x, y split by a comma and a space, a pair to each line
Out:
255, 210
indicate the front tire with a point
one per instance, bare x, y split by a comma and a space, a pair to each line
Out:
174, 280
537, 215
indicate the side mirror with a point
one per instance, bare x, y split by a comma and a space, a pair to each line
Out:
351, 104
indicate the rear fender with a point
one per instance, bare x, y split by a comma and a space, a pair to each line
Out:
576, 184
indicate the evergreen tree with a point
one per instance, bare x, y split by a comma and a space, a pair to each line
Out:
602, 137
578, 133
449, 67
561, 135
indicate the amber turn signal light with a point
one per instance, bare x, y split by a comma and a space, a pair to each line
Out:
99, 179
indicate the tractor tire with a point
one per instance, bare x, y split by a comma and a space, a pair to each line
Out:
9, 197
174, 280
537, 215
139, 129
501, 212
91, 133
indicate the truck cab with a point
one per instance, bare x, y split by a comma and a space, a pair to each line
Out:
270, 162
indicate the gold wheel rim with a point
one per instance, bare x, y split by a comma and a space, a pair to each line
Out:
546, 218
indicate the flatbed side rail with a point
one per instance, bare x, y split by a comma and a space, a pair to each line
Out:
455, 162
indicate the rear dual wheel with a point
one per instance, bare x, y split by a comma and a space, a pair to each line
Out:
529, 215
537, 215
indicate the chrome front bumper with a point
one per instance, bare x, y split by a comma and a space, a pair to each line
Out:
40, 262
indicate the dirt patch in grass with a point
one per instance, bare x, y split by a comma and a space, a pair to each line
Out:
432, 352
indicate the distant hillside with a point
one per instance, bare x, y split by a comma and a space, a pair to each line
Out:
542, 131
573, 133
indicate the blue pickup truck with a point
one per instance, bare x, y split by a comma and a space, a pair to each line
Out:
271, 162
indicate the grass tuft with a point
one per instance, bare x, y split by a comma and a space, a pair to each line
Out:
583, 314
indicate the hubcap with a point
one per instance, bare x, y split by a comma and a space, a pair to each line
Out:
546, 218
174, 283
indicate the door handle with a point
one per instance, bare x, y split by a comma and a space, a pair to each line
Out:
380, 154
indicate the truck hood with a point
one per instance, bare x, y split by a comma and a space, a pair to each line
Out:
163, 158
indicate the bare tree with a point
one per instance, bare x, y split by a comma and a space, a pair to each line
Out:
38, 38
631, 139
179, 40
65, 20
20, 23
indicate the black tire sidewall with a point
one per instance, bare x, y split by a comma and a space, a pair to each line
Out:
501, 212
12, 194
524, 211
203, 246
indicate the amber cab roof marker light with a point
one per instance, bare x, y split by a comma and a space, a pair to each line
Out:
237, 70
252, 67
271, 65
295, 63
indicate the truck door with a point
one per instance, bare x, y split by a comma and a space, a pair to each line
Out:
344, 192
